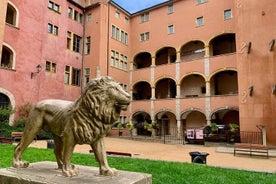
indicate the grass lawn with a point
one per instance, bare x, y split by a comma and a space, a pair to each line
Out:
163, 172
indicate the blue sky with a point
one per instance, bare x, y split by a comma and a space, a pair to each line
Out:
133, 6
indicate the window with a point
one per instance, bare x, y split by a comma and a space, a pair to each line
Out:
52, 29
227, 14
7, 58
76, 73
117, 14
126, 20
67, 74
89, 17
117, 37
70, 12
170, 9
144, 36
122, 36
118, 60
201, 1
76, 15
51, 67
170, 29
87, 75
112, 62
11, 15
145, 17
88, 43
55, 30
53, 6
113, 32
199, 21
69, 40
77, 43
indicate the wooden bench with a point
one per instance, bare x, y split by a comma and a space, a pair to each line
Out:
115, 153
16, 136
260, 149
5, 140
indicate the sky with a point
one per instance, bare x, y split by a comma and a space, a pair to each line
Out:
133, 6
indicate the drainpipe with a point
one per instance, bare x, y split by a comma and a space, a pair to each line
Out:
108, 32
262, 128
83, 44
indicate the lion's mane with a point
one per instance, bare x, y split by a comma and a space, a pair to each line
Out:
94, 113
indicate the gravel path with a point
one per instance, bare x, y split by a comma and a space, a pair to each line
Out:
179, 153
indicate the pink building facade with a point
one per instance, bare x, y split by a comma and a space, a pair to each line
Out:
180, 59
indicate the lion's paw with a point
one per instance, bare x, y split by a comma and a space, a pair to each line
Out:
20, 164
70, 172
109, 172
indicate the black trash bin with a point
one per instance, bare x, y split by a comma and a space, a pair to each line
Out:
50, 144
199, 157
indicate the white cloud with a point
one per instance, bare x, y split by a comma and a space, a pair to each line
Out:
137, 5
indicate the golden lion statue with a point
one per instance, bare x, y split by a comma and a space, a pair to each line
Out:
85, 121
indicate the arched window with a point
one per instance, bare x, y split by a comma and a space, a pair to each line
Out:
11, 15
7, 58
4, 104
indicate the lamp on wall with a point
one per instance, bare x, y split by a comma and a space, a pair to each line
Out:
38, 69
271, 44
273, 89
249, 47
251, 88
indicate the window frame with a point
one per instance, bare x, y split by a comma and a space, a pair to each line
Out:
171, 29
170, 9
226, 14
200, 21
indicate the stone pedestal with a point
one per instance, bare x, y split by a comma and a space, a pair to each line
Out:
46, 172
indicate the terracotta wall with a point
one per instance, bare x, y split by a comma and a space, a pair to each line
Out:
256, 66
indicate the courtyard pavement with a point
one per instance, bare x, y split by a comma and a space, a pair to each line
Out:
219, 155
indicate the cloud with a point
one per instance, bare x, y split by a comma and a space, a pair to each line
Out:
137, 5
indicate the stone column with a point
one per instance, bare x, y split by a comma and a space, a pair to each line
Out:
153, 93
208, 88
207, 51
178, 56
153, 61
178, 91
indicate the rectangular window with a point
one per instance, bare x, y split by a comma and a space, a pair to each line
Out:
53, 6
122, 36
88, 44
50, 5
67, 74
69, 40
76, 73
112, 62
50, 28
80, 19
51, 67
145, 17
87, 75
113, 31
199, 21
70, 13
55, 30
126, 38
144, 36
89, 17
56, 7
227, 14
77, 43
126, 20
117, 14
170, 9
170, 29
117, 33
48, 66
201, 1
76, 15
